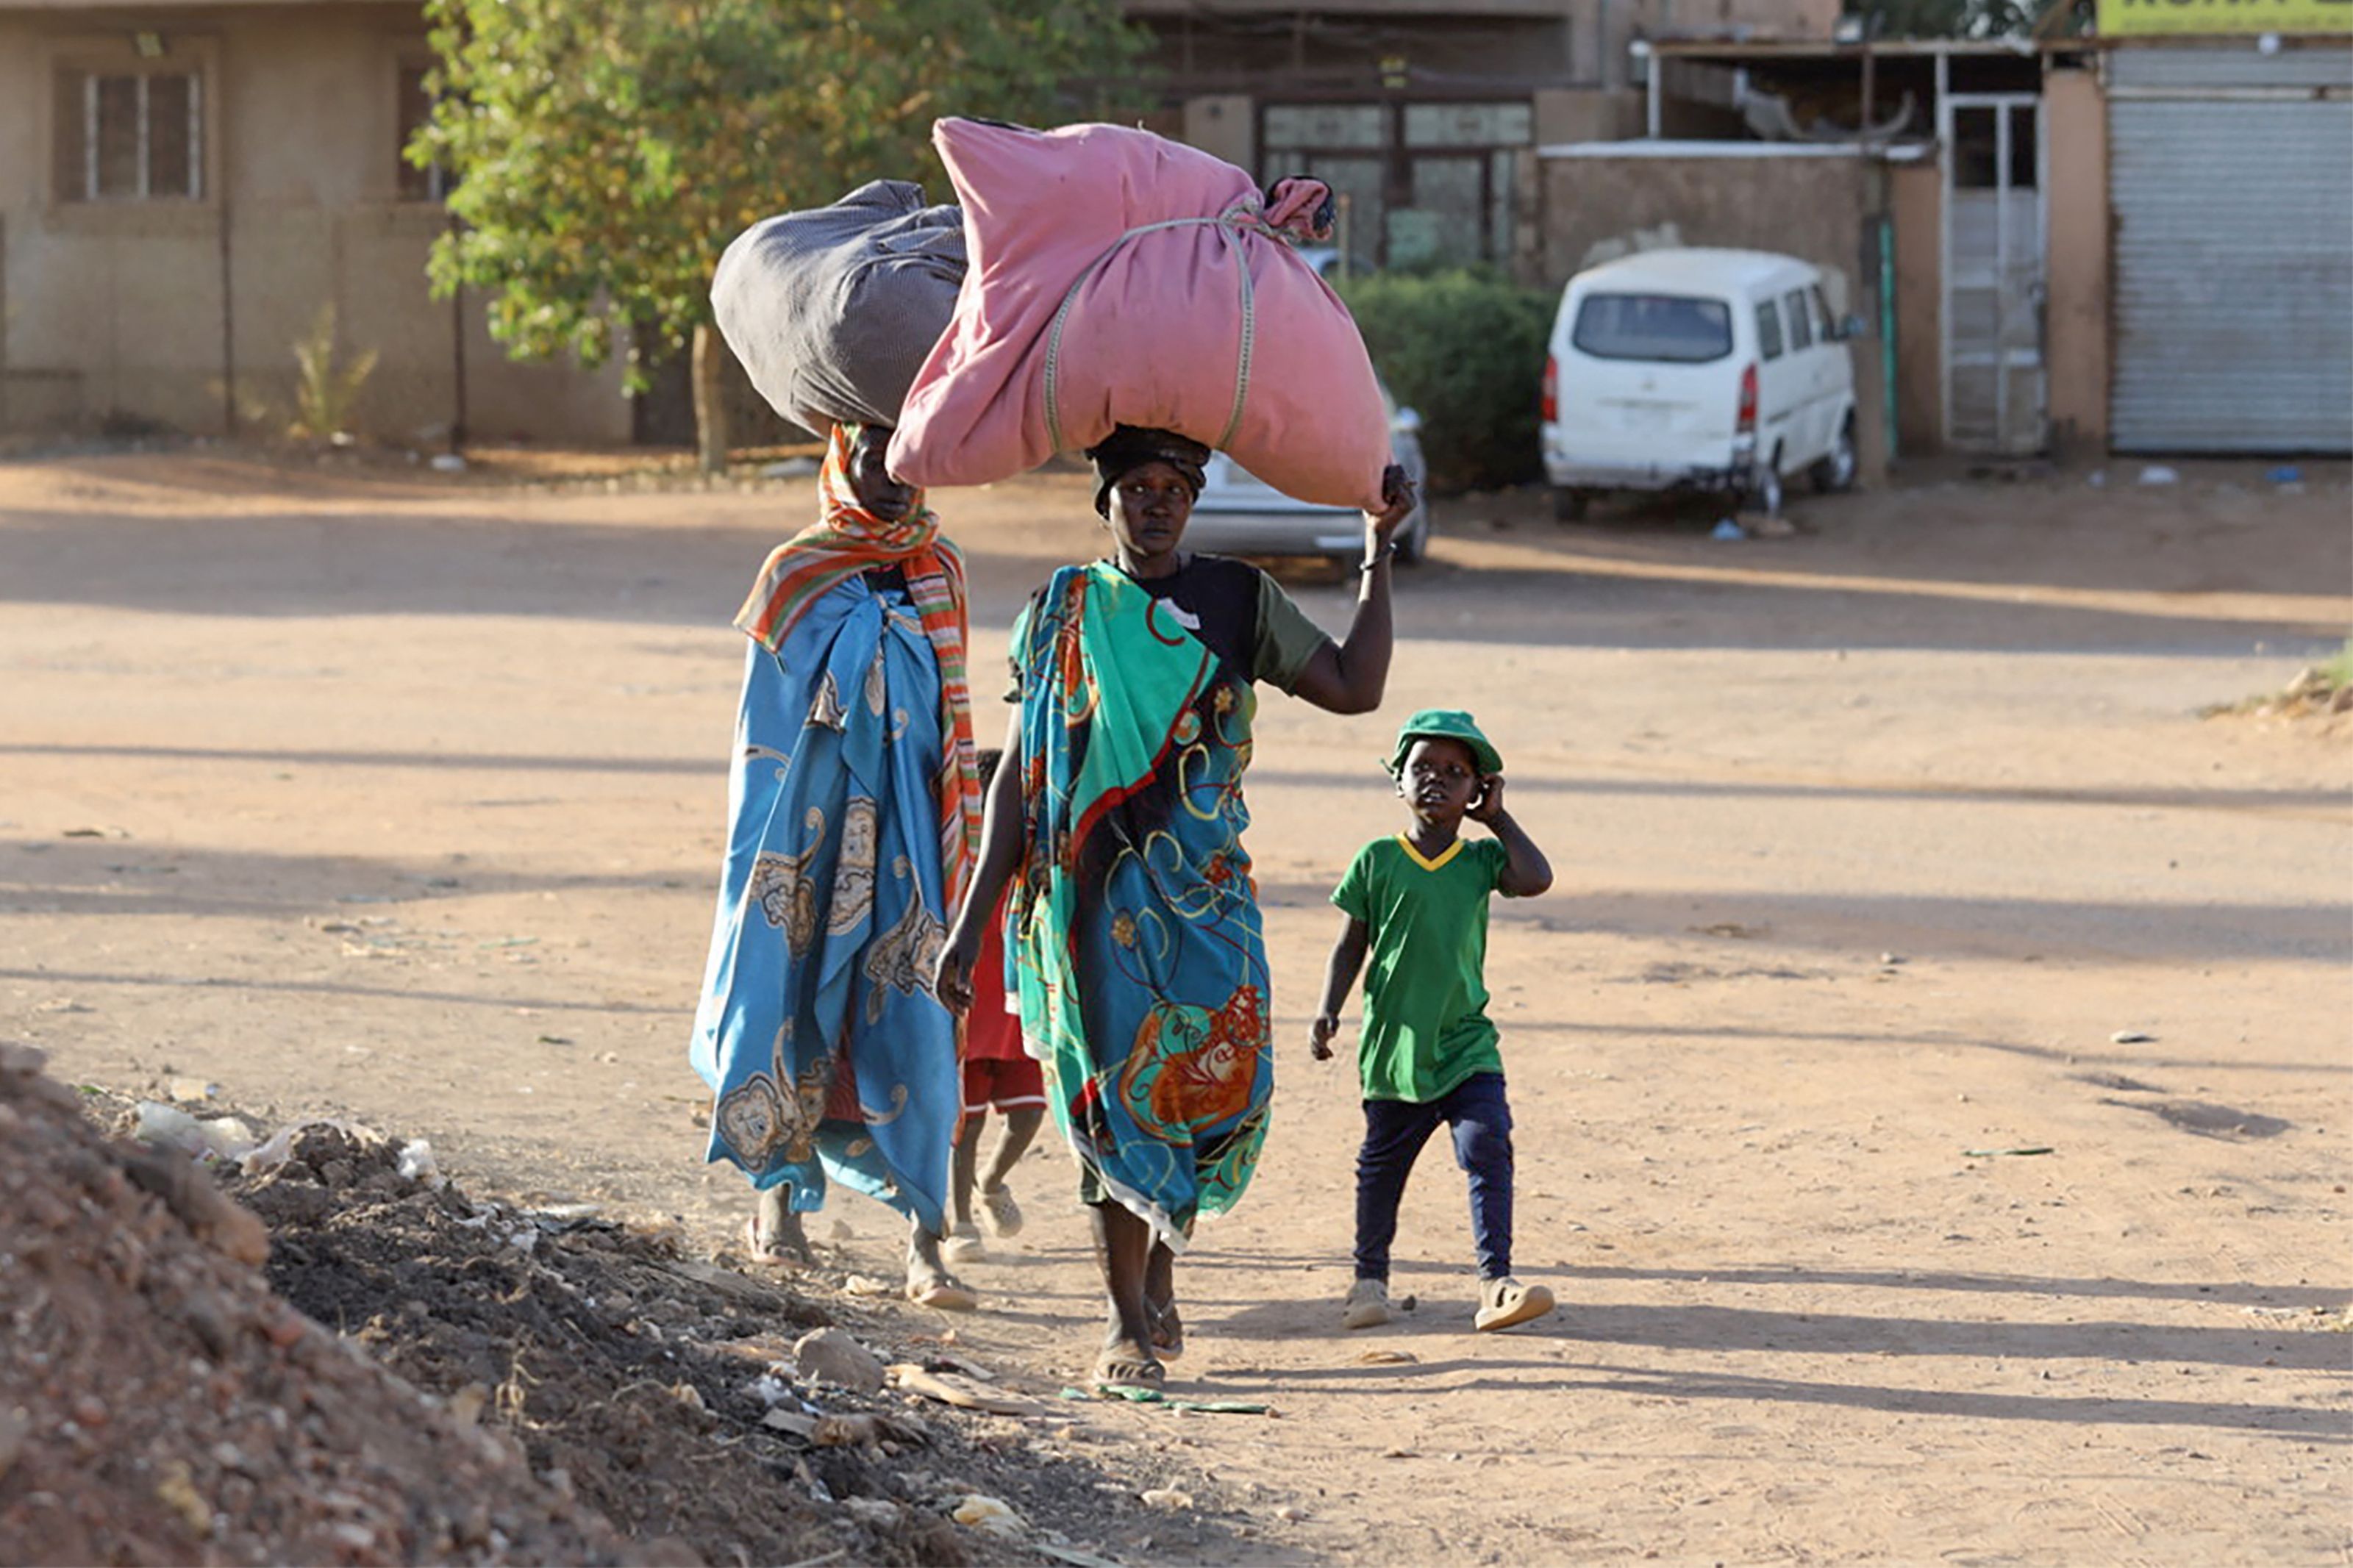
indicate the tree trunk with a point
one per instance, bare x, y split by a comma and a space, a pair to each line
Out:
710, 400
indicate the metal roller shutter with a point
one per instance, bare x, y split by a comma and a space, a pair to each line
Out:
2233, 252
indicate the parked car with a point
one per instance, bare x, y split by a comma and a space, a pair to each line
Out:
1325, 259
1697, 369
1238, 514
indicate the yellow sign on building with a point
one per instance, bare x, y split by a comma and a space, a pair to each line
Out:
2150, 18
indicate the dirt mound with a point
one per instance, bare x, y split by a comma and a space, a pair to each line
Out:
419, 1376
658, 1388
159, 1404
631, 1376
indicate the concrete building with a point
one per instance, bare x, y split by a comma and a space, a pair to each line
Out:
1751, 145
184, 185
1424, 115
2073, 245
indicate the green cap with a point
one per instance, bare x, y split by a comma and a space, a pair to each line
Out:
1447, 724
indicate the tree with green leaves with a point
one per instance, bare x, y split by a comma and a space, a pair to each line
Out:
604, 152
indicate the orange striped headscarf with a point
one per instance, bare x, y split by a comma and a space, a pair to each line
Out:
845, 540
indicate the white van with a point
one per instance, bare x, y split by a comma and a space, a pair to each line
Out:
1693, 369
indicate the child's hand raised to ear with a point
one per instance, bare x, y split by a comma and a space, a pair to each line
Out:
1490, 803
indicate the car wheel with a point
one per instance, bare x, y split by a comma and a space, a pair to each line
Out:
1568, 505
1413, 543
1835, 472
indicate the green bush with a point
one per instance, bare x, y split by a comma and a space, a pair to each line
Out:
1466, 350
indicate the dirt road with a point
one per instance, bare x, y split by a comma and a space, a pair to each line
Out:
1884, 845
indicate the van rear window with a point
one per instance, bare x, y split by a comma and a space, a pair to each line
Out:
1663, 327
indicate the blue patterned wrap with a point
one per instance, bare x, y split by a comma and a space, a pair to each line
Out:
830, 916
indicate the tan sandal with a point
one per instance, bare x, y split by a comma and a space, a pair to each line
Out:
1122, 1368
945, 1293
1505, 1302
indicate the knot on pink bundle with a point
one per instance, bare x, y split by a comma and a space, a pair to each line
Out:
1302, 207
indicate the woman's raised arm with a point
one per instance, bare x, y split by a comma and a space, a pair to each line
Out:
1350, 676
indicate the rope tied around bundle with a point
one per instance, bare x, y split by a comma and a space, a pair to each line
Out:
1300, 210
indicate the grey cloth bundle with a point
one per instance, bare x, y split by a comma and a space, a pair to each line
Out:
834, 309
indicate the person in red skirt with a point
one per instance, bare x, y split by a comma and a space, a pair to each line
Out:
999, 1075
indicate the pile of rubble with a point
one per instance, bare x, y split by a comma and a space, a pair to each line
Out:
160, 1404
315, 1348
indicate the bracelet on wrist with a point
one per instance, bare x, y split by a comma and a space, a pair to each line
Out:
1375, 562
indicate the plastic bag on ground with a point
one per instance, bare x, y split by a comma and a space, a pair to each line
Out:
833, 310
1118, 277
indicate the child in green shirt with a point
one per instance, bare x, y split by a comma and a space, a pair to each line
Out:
1417, 902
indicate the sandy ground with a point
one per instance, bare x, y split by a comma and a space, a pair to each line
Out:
402, 799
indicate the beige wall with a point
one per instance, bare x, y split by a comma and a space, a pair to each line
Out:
1814, 207
2076, 347
1587, 114
1915, 195
1223, 125
1809, 206
117, 308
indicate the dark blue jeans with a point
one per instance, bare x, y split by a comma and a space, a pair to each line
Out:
1394, 1132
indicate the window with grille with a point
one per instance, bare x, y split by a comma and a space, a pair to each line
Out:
133, 136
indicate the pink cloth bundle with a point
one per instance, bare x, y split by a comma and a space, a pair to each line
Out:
1117, 277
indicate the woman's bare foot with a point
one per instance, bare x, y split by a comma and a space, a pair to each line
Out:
929, 1283
772, 1236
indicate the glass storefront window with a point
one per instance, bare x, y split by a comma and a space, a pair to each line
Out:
1441, 194
1468, 125
1359, 182
1325, 125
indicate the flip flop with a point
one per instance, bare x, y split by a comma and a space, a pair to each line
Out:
944, 1294
1118, 1371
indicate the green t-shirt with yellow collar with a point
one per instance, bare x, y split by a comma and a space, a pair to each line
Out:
1426, 1028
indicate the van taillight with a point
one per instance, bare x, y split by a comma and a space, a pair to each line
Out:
1551, 390
1747, 423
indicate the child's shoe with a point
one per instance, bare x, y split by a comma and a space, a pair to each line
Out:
1504, 1302
964, 1243
1004, 1216
1367, 1306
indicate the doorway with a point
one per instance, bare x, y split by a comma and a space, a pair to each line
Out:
1995, 386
